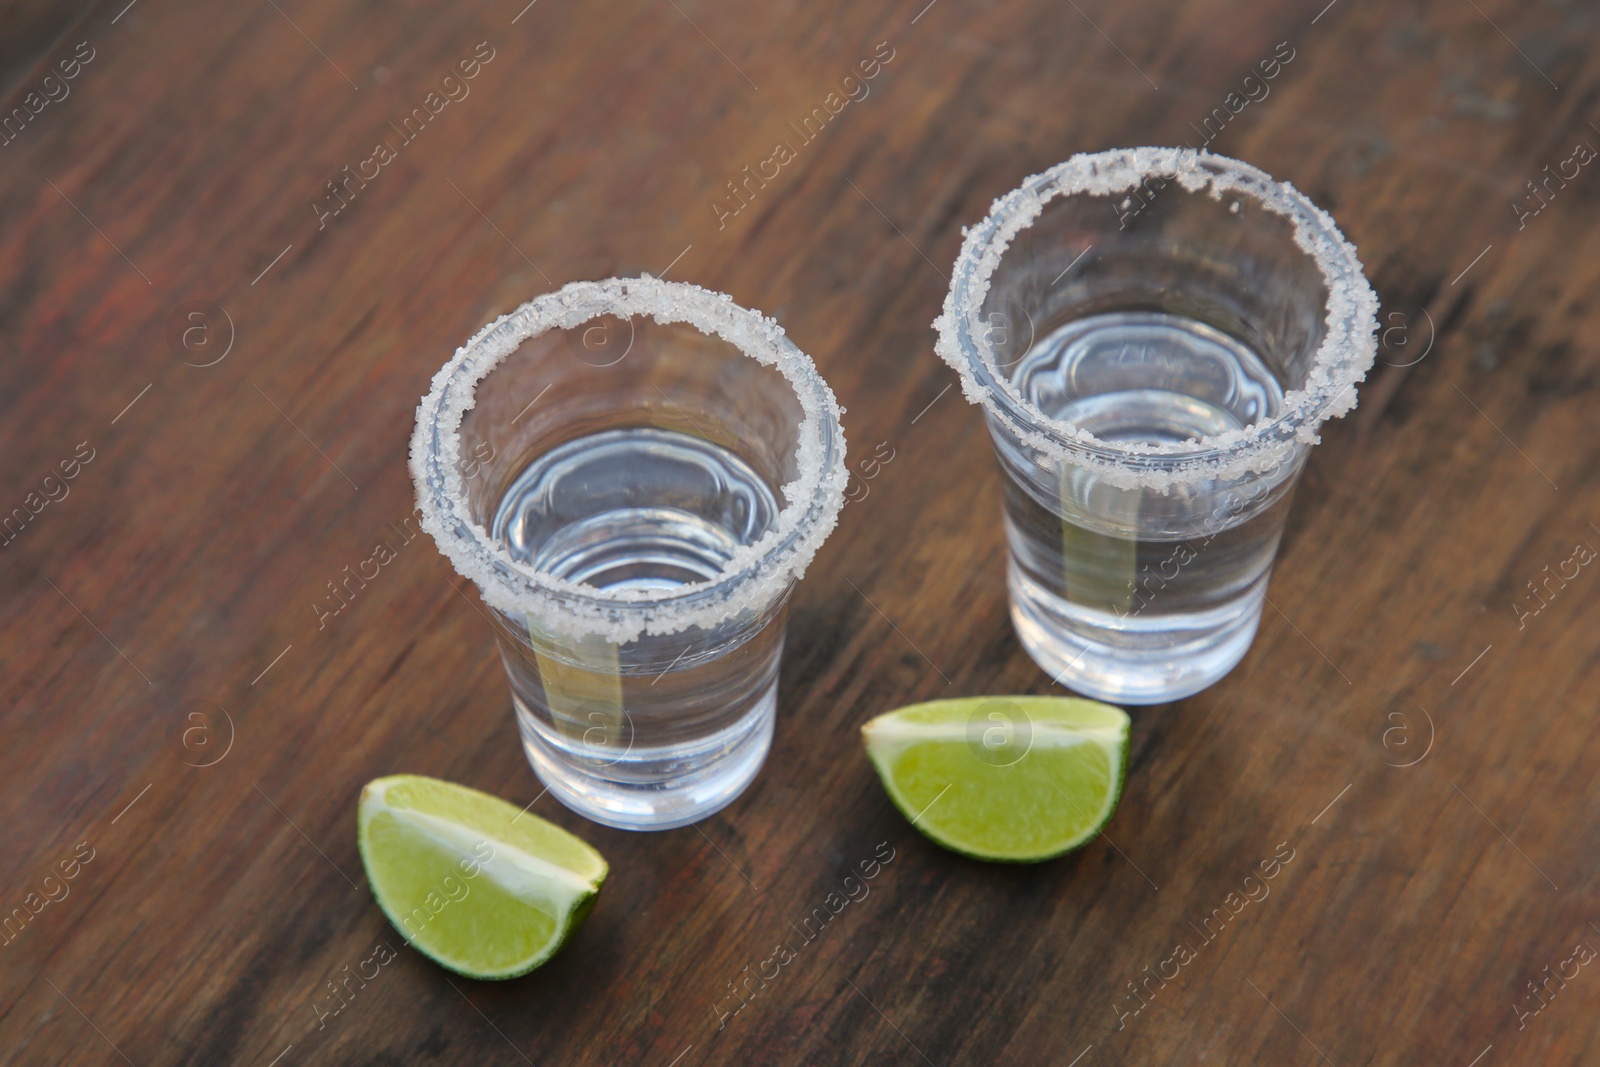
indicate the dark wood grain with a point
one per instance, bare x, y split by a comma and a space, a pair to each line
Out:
33, 30
177, 576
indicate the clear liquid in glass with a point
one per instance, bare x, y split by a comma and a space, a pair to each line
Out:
664, 729
1128, 596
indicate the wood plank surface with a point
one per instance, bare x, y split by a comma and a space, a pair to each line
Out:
181, 736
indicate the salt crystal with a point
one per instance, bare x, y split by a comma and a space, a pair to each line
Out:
1346, 353
756, 574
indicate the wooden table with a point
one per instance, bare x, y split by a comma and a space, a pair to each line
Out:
228, 368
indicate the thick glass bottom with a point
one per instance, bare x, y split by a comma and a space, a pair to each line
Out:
654, 788
1137, 659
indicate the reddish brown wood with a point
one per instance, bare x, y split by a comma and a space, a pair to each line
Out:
176, 577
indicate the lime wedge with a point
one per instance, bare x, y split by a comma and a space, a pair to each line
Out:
470, 881
1003, 778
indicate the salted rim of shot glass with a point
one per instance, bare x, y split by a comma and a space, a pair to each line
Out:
1343, 358
755, 575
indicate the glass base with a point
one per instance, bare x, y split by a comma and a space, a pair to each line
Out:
1147, 659
652, 789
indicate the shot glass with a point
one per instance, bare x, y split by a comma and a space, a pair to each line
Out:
634, 473
1154, 336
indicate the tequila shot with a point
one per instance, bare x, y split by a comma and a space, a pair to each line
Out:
634, 473
1154, 336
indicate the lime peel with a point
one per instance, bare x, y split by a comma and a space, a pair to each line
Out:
472, 882
1016, 779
